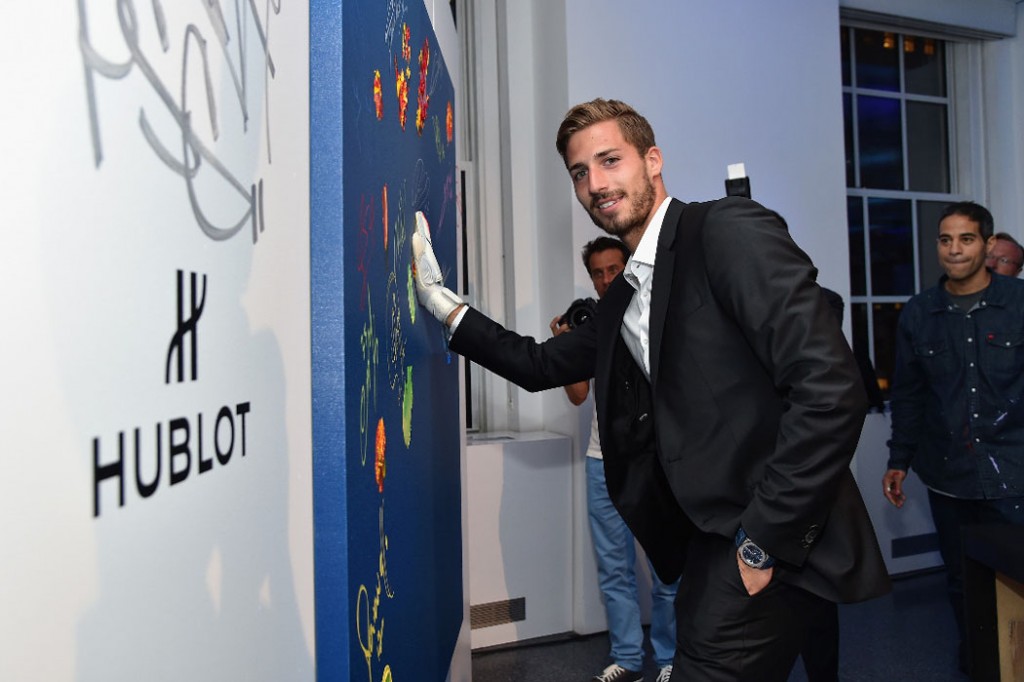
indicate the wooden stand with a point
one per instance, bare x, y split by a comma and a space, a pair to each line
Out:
994, 591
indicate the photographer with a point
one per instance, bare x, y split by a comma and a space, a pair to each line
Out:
604, 258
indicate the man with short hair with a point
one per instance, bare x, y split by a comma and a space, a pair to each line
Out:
1005, 255
956, 417
604, 258
729, 403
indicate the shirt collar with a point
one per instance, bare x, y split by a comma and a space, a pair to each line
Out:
648, 246
998, 293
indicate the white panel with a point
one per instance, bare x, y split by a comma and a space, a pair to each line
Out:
209, 577
913, 519
1004, 111
724, 83
520, 532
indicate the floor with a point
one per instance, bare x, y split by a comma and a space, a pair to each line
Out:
907, 635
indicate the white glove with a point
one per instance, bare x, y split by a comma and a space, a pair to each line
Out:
430, 289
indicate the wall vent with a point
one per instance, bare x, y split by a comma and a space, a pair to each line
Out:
497, 613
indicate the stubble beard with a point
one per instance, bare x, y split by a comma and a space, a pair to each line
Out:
642, 204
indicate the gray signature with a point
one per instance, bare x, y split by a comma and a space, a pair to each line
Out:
194, 152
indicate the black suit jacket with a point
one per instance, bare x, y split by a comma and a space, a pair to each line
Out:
754, 407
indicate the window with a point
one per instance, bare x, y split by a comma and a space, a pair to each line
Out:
899, 176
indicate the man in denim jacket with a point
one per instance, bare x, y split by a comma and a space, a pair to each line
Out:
957, 409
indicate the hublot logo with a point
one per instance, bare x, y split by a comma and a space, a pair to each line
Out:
187, 327
172, 445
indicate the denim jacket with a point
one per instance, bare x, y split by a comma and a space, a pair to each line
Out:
958, 392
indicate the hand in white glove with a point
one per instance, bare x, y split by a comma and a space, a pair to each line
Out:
430, 290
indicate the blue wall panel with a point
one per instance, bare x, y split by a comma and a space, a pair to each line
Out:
386, 394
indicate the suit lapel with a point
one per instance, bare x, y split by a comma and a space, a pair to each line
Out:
664, 266
609, 320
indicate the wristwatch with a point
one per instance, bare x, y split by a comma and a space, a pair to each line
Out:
750, 553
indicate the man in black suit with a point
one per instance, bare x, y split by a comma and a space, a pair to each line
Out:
728, 401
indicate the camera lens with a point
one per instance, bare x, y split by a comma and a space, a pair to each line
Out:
579, 312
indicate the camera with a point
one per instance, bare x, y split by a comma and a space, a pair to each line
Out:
580, 310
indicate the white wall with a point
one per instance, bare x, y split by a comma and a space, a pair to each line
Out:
706, 74
1003, 63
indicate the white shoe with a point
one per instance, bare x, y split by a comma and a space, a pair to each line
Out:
616, 673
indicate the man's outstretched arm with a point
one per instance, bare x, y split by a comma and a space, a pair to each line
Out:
535, 366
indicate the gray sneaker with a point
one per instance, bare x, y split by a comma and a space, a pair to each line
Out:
616, 673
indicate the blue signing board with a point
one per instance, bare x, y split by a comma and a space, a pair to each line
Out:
388, 551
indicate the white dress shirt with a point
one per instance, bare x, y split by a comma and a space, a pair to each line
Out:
639, 272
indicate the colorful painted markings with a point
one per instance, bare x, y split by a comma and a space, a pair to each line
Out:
369, 619
388, 329
378, 95
379, 463
402, 91
422, 97
402, 64
407, 407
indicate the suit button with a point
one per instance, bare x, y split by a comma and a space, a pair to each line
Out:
810, 536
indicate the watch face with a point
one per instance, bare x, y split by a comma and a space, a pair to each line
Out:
752, 554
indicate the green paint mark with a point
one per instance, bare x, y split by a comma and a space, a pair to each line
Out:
407, 407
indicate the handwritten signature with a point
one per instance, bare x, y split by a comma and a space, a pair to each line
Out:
194, 151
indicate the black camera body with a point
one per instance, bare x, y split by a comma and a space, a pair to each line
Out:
580, 310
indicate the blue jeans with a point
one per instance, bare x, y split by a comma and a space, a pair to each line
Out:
616, 559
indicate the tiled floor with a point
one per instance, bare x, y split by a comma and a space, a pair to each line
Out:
907, 635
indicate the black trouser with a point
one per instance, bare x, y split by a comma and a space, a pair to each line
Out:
821, 646
724, 634
950, 515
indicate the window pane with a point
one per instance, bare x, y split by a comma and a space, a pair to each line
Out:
851, 176
927, 147
892, 247
859, 322
924, 63
861, 350
881, 142
855, 221
886, 318
878, 60
928, 213
844, 49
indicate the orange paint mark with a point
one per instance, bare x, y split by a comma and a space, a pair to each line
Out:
402, 91
449, 123
378, 95
422, 98
379, 467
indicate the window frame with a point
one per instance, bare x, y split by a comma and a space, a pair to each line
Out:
964, 134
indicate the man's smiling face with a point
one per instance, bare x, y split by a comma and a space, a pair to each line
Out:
613, 182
